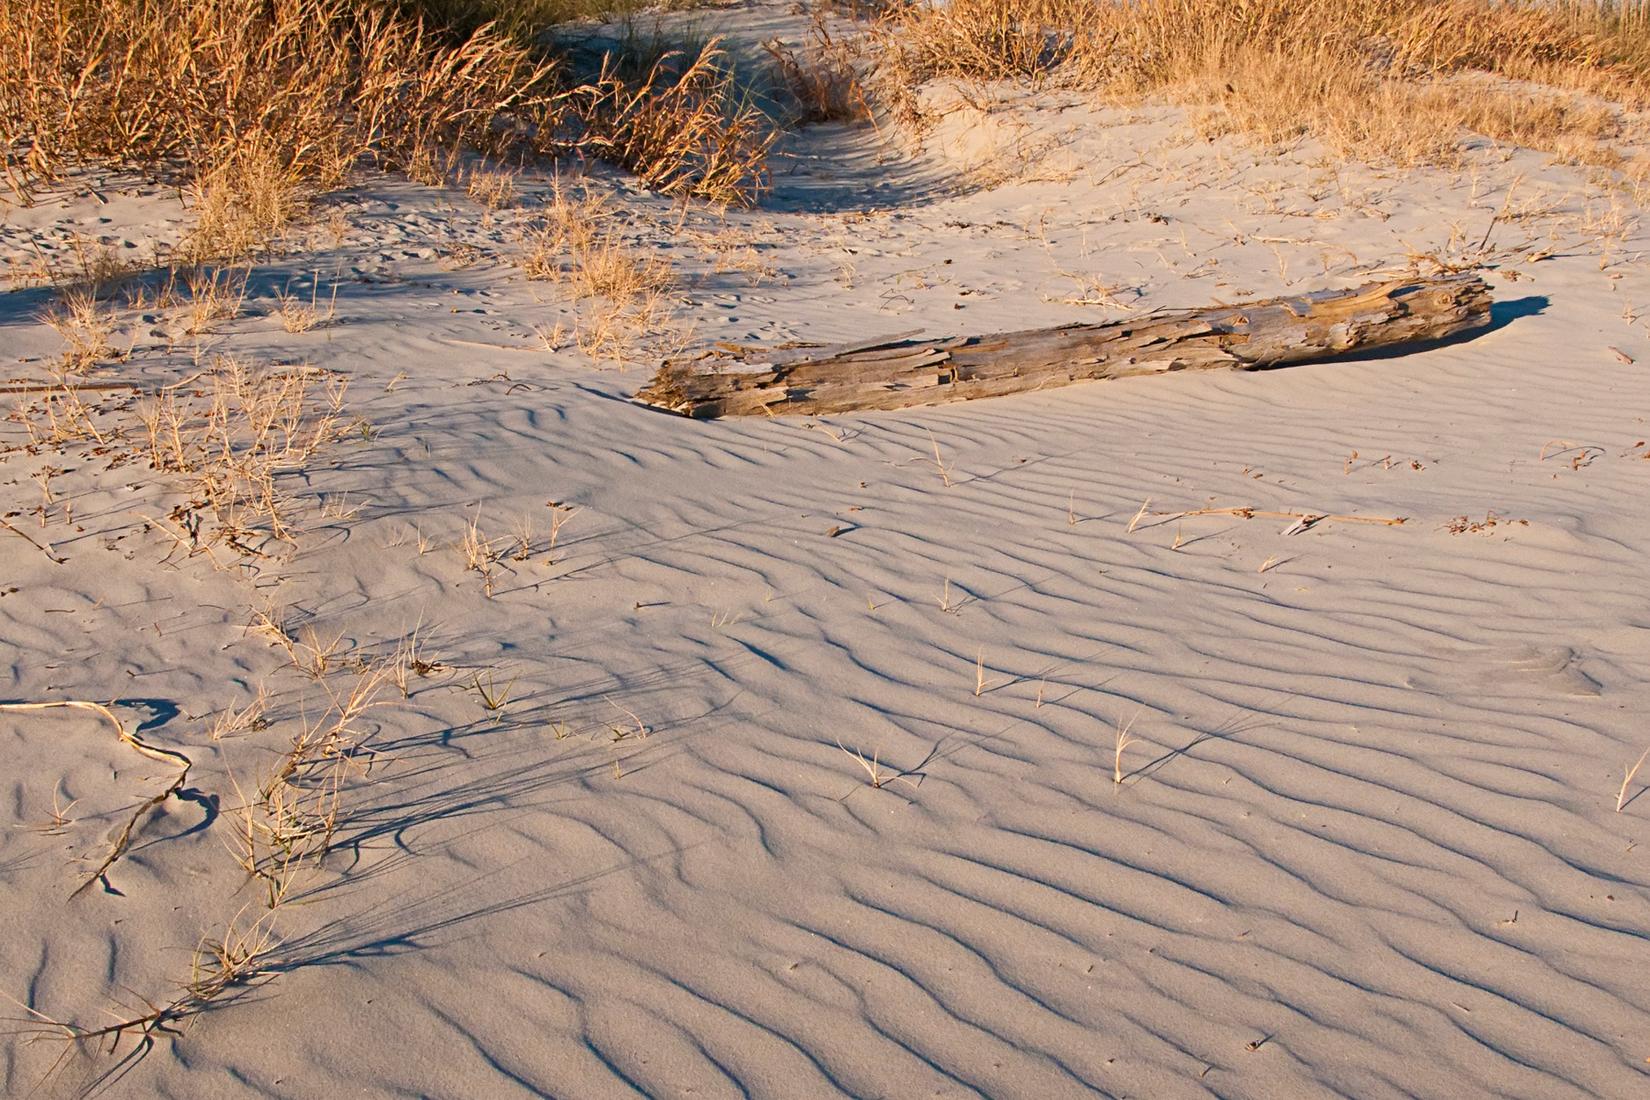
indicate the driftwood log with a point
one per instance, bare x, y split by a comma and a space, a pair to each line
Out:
899, 372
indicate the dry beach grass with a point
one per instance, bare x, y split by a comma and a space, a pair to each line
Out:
1393, 78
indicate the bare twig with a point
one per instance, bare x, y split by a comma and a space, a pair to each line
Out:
169, 756
46, 550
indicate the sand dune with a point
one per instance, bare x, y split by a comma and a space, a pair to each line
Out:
1366, 840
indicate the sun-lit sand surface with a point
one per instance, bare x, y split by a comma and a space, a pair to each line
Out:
797, 774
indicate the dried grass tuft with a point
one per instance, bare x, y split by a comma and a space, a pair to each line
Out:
233, 437
579, 244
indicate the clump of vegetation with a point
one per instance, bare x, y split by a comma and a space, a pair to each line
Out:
622, 290
1596, 45
1399, 78
823, 77
233, 443
256, 105
320, 85
678, 118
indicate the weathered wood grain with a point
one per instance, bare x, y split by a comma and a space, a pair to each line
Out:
902, 372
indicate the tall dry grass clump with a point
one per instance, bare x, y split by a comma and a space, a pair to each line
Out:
1596, 45
242, 200
1397, 77
256, 103
679, 120
1150, 43
320, 86
983, 39
823, 76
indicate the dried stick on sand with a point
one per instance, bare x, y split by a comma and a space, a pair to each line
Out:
903, 372
167, 756
1303, 520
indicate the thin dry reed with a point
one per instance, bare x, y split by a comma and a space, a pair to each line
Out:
823, 76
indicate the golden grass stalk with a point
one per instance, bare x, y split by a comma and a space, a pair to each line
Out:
493, 697
1123, 741
637, 728
1140, 515
945, 599
480, 553
939, 462
1627, 779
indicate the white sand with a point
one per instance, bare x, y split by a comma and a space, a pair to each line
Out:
1366, 844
